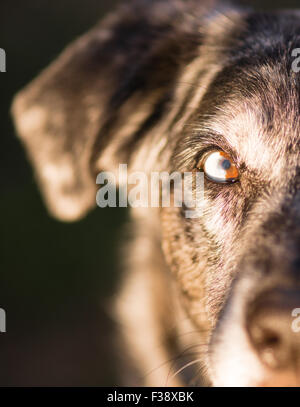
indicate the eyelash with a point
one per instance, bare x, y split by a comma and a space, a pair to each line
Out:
202, 155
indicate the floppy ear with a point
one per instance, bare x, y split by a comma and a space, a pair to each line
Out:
89, 110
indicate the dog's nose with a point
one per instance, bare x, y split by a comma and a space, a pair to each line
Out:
273, 330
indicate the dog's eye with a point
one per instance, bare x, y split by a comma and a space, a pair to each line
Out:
219, 167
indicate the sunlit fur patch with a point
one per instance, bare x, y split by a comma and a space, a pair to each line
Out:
232, 360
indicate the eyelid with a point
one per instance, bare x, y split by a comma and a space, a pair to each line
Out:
217, 142
204, 154
209, 149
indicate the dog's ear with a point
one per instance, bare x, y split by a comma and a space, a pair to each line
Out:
90, 109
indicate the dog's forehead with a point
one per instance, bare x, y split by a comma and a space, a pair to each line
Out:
261, 125
254, 101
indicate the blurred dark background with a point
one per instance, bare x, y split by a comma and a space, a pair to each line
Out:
56, 279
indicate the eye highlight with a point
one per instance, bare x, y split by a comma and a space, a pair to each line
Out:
218, 166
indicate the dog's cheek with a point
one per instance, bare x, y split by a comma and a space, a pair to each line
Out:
222, 222
223, 214
186, 255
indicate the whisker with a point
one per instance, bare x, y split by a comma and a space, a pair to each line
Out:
184, 354
193, 362
174, 359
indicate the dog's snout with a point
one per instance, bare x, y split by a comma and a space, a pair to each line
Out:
270, 327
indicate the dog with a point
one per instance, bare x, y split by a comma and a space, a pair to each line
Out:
200, 86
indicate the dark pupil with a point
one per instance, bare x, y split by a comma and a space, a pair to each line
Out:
226, 164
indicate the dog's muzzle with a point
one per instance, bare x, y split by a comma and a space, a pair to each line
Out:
257, 339
274, 334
